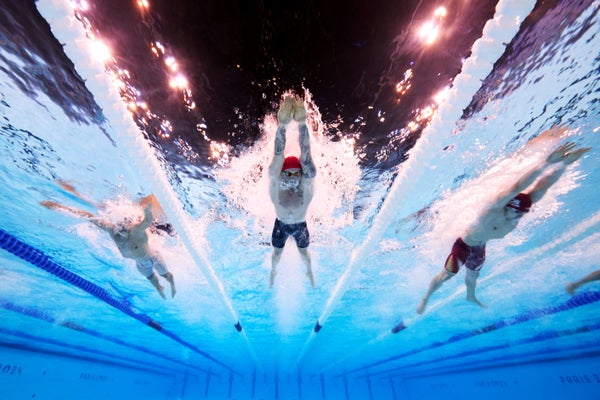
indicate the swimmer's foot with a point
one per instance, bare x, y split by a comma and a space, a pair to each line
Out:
473, 299
173, 290
570, 288
161, 291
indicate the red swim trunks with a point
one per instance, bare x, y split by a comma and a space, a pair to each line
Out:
471, 256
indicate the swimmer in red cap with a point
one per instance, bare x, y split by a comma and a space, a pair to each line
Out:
291, 187
500, 219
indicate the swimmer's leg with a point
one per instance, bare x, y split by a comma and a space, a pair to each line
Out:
169, 277
471, 281
435, 284
275, 257
307, 261
571, 287
154, 280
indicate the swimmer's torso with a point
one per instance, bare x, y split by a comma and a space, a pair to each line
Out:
290, 206
494, 225
134, 245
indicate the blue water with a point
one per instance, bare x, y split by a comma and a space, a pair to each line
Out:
88, 325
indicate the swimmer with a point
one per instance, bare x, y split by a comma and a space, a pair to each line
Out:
500, 219
291, 187
131, 240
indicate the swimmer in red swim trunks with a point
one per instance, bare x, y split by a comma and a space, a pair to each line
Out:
499, 220
291, 186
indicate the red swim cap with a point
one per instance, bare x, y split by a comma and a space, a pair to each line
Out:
291, 162
522, 202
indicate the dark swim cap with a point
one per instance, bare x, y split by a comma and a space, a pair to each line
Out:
291, 162
522, 202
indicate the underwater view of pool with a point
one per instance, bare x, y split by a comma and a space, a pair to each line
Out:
78, 320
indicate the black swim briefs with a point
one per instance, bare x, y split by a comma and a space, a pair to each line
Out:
282, 231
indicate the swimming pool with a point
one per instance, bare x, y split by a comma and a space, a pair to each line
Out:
78, 318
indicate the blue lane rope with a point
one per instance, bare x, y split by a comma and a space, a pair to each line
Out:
474, 365
578, 300
37, 258
37, 314
24, 347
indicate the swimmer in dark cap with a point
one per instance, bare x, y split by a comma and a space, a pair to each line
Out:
500, 219
291, 187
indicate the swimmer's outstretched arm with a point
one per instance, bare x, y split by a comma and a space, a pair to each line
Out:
52, 205
553, 134
67, 187
308, 166
284, 116
563, 153
565, 158
100, 223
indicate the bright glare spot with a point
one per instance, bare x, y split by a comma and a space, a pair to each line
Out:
123, 73
219, 151
429, 32
166, 129
100, 51
158, 49
349, 143
425, 113
403, 86
171, 63
143, 4
119, 84
179, 82
440, 12
83, 5
441, 95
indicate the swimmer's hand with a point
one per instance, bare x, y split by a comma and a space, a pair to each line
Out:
559, 154
573, 156
566, 153
286, 110
299, 110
